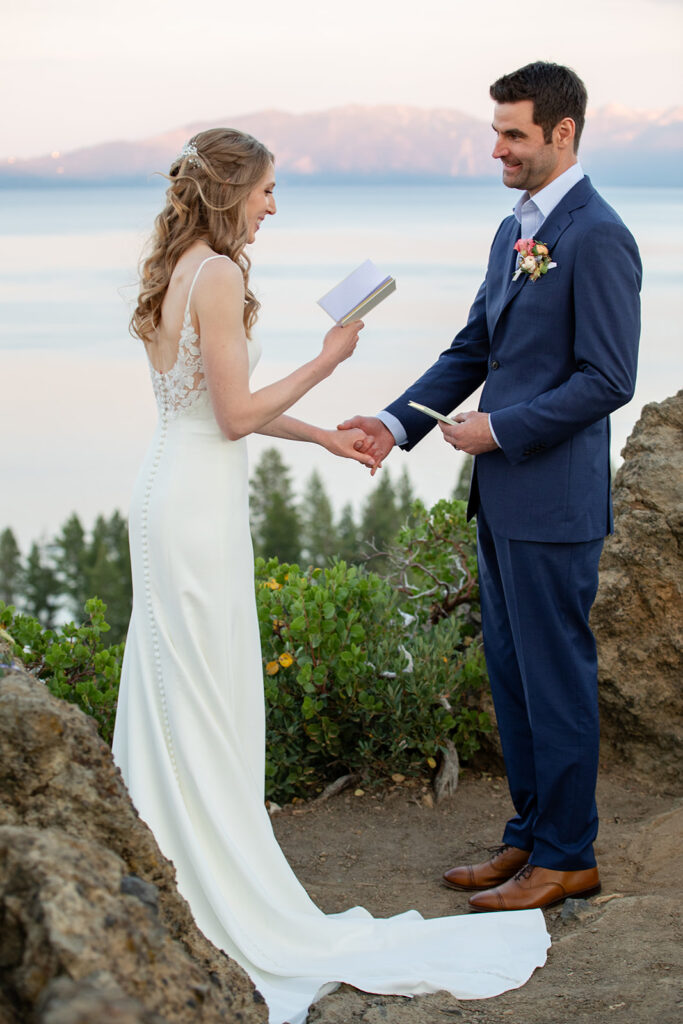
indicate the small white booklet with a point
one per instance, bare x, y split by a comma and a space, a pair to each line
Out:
433, 413
357, 294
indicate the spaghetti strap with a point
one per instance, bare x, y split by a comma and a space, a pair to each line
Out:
194, 279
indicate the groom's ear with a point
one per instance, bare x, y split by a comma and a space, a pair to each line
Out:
564, 133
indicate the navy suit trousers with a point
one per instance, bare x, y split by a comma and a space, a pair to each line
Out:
541, 658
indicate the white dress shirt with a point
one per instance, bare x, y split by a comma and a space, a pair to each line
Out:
531, 214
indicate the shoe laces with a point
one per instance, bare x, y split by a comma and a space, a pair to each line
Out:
496, 851
524, 872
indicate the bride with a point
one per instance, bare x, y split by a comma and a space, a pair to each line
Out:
190, 725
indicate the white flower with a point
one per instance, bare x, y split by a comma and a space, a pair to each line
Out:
528, 264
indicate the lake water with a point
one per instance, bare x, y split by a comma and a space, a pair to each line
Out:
77, 408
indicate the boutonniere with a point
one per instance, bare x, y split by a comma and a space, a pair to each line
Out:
534, 259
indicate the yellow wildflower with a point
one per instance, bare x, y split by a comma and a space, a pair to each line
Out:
272, 667
286, 659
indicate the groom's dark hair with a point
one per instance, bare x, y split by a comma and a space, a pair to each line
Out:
556, 91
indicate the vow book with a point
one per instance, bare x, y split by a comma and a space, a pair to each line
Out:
357, 294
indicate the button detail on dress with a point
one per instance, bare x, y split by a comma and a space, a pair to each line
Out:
494, 364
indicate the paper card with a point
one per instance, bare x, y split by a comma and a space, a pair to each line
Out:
433, 413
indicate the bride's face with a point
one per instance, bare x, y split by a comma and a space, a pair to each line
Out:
261, 202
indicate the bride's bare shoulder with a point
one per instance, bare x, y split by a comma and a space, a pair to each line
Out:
200, 272
216, 267
202, 257
218, 285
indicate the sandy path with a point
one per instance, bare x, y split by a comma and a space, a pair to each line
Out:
621, 962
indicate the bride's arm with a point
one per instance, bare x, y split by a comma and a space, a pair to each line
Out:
218, 304
333, 440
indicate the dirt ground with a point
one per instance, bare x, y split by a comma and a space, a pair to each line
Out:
386, 850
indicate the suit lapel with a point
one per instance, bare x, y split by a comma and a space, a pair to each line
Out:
501, 272
549, 233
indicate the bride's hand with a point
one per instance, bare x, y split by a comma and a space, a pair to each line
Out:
340, 342
341, 442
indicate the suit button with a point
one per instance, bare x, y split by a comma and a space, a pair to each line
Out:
495, 364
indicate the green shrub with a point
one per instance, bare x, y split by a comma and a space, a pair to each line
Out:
433, 564
72, 660
362, 673
348, 687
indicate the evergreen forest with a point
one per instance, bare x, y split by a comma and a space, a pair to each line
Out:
53, 580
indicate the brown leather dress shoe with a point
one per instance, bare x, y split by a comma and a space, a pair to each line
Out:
506, 860
537, 887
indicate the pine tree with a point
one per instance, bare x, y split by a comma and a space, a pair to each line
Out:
275, 523
10, 568
405, 496
71, 562
348, 540
380, 519
318, 535
41, 587
108, 572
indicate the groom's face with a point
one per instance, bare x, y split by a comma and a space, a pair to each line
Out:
528, 161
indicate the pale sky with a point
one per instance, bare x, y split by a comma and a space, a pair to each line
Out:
76, 72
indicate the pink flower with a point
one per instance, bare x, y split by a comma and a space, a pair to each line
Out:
534, 259
524, 244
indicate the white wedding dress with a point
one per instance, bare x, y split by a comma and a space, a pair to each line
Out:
190, 738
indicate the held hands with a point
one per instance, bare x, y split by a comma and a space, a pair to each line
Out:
372, 438
472, 433
340, 342
349, 445
377, 441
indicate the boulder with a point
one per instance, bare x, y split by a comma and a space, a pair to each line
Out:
638, 614
92, 926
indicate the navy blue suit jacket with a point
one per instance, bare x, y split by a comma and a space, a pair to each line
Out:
556, 356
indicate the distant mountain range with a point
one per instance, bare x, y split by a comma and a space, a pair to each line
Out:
383, 143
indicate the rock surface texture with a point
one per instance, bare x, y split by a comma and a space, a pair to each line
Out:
638, 614
92, 927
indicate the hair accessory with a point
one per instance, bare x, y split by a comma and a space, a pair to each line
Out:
189, 151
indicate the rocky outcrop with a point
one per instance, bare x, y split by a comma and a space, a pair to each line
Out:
637, 617
638, 614
92, 926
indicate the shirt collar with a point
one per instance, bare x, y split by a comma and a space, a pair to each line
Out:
547, 199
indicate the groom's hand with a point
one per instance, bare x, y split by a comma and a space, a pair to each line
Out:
471, 434
378, 440
347, 444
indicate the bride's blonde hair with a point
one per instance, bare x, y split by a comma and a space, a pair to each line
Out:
210, 183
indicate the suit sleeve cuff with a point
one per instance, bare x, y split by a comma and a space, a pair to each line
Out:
493, 433
394, 426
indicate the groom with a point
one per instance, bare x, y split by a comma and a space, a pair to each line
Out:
556, 354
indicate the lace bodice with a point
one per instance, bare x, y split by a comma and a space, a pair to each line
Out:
181, 387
